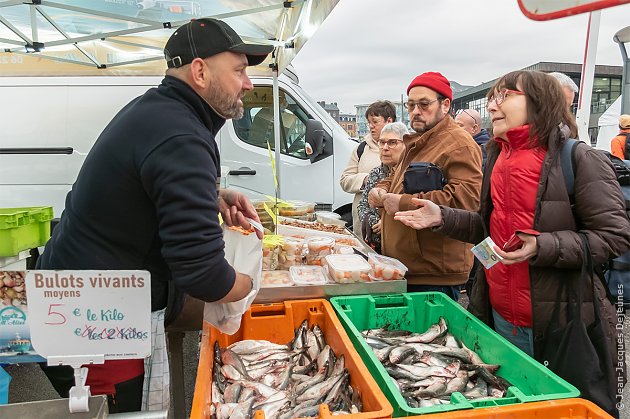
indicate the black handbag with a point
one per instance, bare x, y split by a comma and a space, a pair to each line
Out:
423, 177
576, 352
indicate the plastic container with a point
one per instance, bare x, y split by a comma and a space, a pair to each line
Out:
385, 268
270, 252
5, 379
308, 275
23, 229
329, 218
277, 323
291, 253
293, 209
416, 312
272, 279
318, 249
561, 409
347, 268
307, 229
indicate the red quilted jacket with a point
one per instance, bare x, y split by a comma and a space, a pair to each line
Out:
513, 188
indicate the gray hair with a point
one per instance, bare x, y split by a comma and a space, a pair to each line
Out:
397, 128
565, 81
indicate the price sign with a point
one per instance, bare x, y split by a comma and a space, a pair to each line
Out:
90, 312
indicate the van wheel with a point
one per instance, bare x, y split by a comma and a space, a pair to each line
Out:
347, 217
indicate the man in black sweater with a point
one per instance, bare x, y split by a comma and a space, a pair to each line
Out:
147, 197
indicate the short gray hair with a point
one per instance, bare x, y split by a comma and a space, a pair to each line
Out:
565, 81
397, 128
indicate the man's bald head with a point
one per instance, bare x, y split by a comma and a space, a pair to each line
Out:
469, 120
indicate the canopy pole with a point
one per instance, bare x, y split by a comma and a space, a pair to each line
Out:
588, 74
276, 129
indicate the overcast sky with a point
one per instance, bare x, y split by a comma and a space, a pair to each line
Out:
368, 50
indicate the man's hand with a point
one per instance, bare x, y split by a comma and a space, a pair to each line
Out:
375, 197
235, 208
427, 215
391, 203
527, 251
377, 227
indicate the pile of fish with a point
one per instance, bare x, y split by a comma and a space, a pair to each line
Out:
427, 368
284, 381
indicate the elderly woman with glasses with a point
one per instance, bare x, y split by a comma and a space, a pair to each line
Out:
391, 149
524, 194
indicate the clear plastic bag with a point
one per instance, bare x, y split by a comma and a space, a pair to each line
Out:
244, 253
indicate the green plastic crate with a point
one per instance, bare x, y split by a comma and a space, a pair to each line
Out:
23, 228
416, 312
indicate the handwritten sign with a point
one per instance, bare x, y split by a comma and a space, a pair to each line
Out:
90, 312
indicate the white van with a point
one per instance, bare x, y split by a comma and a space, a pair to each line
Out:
50, 124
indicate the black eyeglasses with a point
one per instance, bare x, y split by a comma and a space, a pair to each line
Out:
461, 111
422, 105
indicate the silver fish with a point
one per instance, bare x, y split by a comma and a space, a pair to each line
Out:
251, 346
229, 357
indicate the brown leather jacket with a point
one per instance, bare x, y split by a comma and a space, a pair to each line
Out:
433, 259
600, 209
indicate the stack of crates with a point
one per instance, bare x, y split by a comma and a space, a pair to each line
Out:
23, 229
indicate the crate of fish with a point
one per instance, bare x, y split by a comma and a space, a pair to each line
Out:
564, 409
429, 355
288, 360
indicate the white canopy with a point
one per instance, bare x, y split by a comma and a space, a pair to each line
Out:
126, 37
608, 125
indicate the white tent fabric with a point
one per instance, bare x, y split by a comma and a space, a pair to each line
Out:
608, 125
126, 37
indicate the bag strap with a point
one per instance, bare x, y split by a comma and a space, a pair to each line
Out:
361, 149
587, 274
567, 161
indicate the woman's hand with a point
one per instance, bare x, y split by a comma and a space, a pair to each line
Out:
527, 251
375, 197
376, 228
427, 215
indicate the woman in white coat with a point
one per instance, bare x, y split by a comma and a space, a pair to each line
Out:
366, 156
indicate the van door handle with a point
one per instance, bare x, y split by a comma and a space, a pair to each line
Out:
245, 171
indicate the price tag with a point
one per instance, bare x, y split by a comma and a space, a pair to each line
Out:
74, 313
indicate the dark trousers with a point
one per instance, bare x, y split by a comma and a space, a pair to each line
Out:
451, 291
128, 397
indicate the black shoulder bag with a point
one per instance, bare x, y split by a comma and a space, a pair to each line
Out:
423, 177
577, 352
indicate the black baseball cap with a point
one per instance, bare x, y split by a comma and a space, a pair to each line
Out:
202, 38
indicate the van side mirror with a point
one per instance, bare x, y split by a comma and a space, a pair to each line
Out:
315, 137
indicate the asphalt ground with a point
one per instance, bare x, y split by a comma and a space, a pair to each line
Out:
30, 384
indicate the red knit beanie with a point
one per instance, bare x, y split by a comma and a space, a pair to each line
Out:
434, 81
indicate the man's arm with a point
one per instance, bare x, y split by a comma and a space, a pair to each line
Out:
180, 178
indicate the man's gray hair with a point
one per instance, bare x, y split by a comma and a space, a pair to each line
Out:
397, 128
565, 81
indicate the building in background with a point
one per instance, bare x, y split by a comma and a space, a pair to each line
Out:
331, 108
349, 123
362, 128
606, 88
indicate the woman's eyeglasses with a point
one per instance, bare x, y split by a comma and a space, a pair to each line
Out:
499, 98
389, 143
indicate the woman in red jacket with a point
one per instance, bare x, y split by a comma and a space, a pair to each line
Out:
524, 188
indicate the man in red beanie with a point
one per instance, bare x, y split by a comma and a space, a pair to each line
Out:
435, 262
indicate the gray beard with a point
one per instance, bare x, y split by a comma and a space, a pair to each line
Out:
226, 106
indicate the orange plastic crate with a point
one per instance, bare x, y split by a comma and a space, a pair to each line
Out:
557, 409
277, 323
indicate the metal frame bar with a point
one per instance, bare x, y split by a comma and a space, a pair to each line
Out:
133, 44
48, 57
15, 30
62, 32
